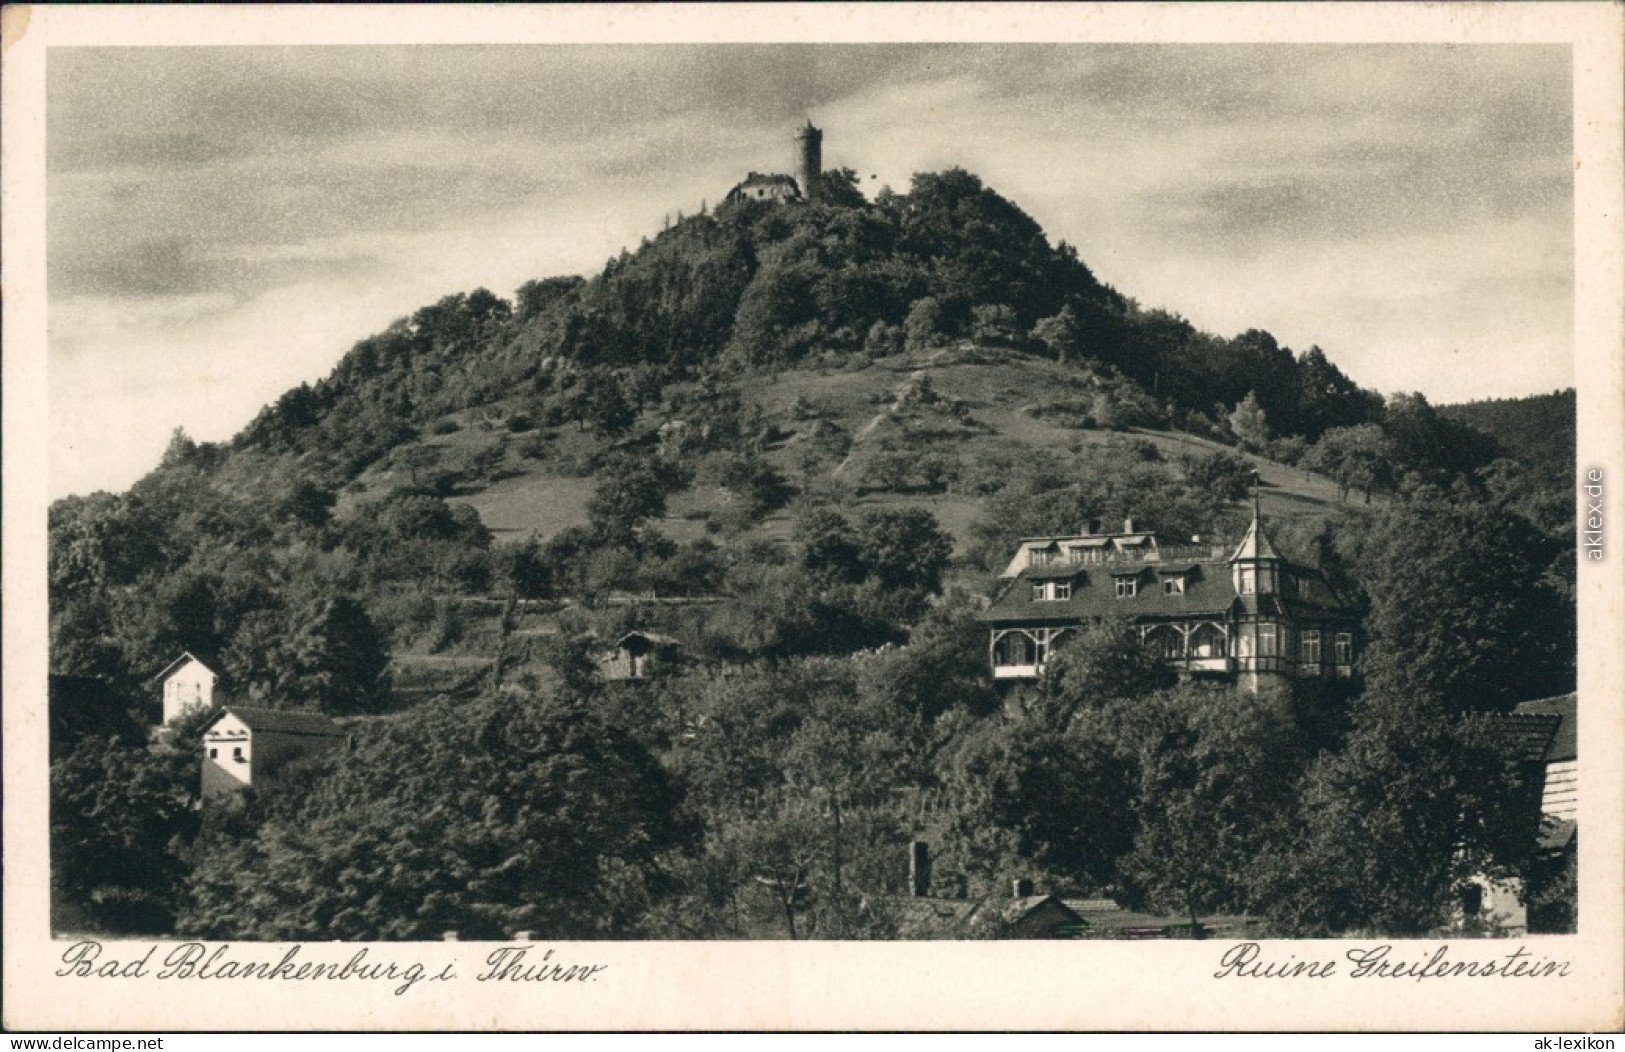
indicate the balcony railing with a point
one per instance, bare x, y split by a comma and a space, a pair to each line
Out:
1180, 553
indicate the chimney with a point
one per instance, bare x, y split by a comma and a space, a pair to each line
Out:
1021, 888
1128, 525
521, 936
449, 936
1087, 529
919, 869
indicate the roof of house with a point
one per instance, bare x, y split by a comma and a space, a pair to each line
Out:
165, 672
1094, 595
1565, 744
1047, 910
280, 721
1526, 736
1256, 545
1208, 592
933, 918
770, 179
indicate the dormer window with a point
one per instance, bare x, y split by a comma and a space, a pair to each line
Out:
1173, 585
1040, 592
1051, 591
1127, 587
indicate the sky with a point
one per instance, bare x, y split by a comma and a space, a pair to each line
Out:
225, 223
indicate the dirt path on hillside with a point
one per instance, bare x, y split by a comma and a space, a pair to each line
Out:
868, 429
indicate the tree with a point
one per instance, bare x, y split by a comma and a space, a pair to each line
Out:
829, 546
1461, 608
1222, 475
904, 548
995, 324
629, 493
485, 818
1247, 423
1102, 664
1429, 445
1061, 334
1356, 458
1390, 828
922, 329
607, 408
121, 816
1027, 797
1217, 772
325, 654
536, 296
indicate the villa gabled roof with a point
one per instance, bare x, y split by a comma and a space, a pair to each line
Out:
1207, 593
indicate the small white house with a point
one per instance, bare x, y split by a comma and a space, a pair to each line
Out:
244, 746
188, 685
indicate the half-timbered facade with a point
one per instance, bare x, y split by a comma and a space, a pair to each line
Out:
1249, 615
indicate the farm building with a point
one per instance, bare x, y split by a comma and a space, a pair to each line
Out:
246, 746
188, 685
1560, 781
1252, 617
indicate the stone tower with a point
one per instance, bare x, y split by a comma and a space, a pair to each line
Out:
809, 160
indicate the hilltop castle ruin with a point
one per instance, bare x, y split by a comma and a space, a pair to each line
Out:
803, 185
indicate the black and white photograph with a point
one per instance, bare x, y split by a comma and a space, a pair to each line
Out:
1052, 496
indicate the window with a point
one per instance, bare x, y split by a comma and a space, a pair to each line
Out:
1309, 647
1303, 588
1063, 590
237, 753
1343, 648
1127, 587
1173, 586
1038, 593
214, 754
1246, 583
1266, 641
1050, 591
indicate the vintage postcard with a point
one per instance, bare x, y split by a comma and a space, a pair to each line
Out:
814, 516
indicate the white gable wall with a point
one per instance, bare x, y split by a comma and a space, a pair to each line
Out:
188, 688
229, 747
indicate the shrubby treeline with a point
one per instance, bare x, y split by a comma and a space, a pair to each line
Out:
753, 794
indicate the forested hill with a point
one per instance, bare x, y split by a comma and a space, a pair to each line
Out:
1538, 430
745, 371
790, 445
754, 286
